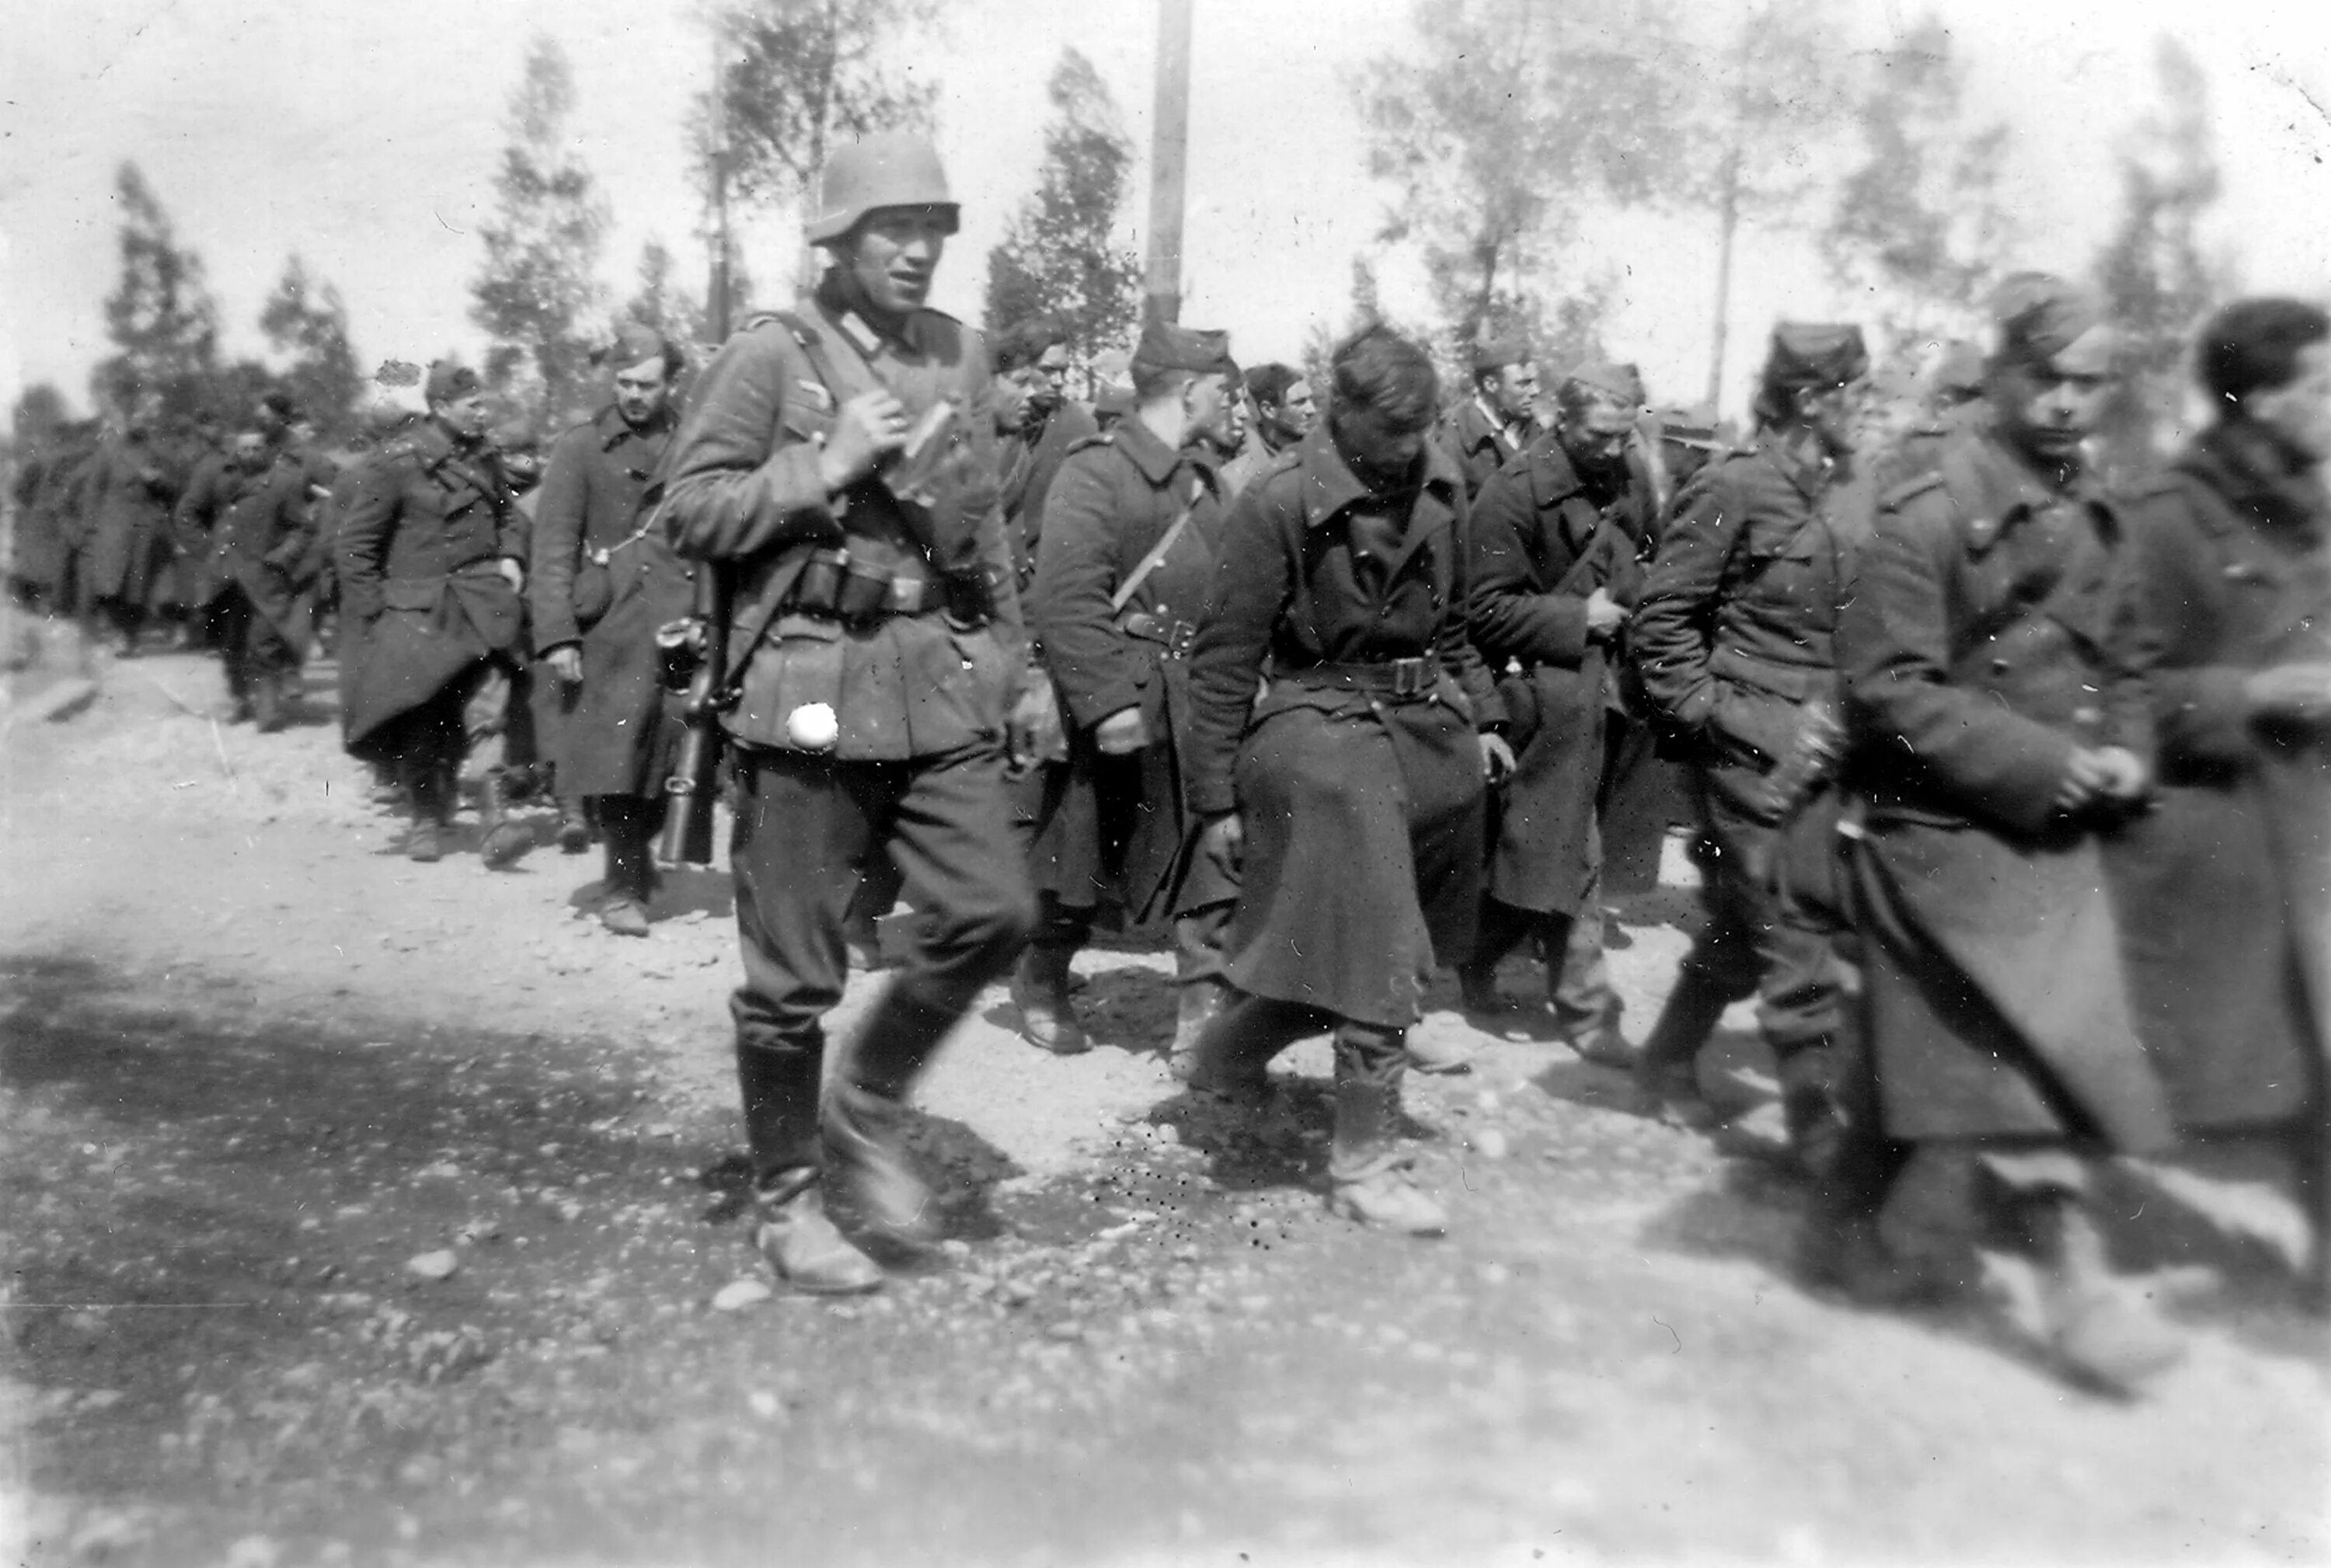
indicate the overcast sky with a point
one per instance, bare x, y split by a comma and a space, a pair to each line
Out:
364, 136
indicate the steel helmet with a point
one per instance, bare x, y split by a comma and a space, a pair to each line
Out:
896, 169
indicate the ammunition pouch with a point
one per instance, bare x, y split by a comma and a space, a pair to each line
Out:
1173, 637
834, 585
679, 652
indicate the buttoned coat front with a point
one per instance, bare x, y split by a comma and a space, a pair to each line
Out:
602, 579
2224, 888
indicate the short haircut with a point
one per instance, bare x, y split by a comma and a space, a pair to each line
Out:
1024, 342
1268, 383
2253, 346
1377, 369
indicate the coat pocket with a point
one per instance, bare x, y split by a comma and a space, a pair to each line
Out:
798, 665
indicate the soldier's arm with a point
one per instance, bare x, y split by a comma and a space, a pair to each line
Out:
1075, 574
559, 510
1674, 626
1894, 650
737, 481
1254, 579
197, 506
365, 528
1509, 618
2200, 711
295, 522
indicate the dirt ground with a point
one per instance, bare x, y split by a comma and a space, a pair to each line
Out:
253, 1067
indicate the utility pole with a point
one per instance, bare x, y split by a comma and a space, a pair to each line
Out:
716, 293
1169, 162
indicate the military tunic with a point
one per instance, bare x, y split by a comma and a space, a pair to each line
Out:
1358, 774
1733, 640
1115, 824
1030, 467
604, 578
262, 539
2224, 888
1990, 636
420, 547
128, 495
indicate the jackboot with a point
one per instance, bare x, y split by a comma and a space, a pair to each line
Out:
1809, 1111
802, 1246
862, 1119
1366, 1179
572, 832
2098, 1336
1040, 990
1666, 1069
630, 877
502, 840
1195, 1002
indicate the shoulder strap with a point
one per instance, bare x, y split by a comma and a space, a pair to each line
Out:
1158, 551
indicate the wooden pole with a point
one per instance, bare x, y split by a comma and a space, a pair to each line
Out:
716, 294
1169, 159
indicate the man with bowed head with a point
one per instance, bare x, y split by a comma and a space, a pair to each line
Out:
1354, 788
839, 463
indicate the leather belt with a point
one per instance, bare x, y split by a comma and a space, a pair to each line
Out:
833, 584
1408, 679
1176, 636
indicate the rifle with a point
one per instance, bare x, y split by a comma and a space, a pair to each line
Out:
699, 646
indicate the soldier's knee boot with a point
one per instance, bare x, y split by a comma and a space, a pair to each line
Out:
1809, 1108
1367, 1177
802, 1246
866, 1160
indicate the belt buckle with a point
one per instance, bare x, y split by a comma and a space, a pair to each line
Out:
1179, 637
907, 595
1410, 678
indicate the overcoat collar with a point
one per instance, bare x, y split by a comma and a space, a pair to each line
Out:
1329, 488
2254, 472
1146, 451
1996, 489
615, 430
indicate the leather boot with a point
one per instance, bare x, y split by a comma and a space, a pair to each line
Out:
631, 867
1040, 990
573, 830
2099, 1337
502, 840
867, 1162
1808, 1110
868, 1171
802, 1246
1195, 1005
1666, 1069
1365, 1179
424, 791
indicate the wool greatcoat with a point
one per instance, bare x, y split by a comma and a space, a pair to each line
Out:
1542, 543
605, 578
2224, 890
258, 542
1991, 636
1031, 462
420, 546
1362, 805
1117, 823
128, 494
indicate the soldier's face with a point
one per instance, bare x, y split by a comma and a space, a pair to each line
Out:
893, 256
250, 449
464, 416
1378, 449
1596, 425
2048, 408
1512, 391
2300, 411
643, 391
1834, 415
1298, 411
1212, 412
